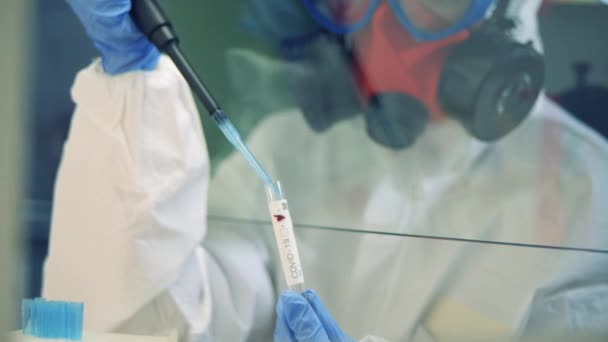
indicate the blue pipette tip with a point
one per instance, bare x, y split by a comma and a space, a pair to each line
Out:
276, 189
52, 319
233, 136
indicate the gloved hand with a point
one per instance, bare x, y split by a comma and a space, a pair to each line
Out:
303, 318
122, 46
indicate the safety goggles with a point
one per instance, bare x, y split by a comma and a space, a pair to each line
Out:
426, 20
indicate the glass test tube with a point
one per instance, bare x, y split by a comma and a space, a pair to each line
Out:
282, 226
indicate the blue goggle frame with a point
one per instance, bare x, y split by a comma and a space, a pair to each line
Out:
474, 13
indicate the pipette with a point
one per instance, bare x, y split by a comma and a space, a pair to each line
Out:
154, 23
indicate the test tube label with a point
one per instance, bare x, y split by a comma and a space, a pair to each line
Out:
286, 242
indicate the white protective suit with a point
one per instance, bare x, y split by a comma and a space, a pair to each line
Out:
130, 215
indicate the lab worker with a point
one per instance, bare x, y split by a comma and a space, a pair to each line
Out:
131, 239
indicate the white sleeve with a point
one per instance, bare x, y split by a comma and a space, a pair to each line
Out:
130, 204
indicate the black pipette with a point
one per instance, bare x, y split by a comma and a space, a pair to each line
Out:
154, 23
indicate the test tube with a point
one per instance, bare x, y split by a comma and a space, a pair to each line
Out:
282, 226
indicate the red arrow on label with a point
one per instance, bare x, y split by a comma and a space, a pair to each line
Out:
279, 217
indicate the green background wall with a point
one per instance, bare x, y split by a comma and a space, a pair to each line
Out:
207, 29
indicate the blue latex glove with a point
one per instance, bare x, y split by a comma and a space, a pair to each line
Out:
122, 46
303, 318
